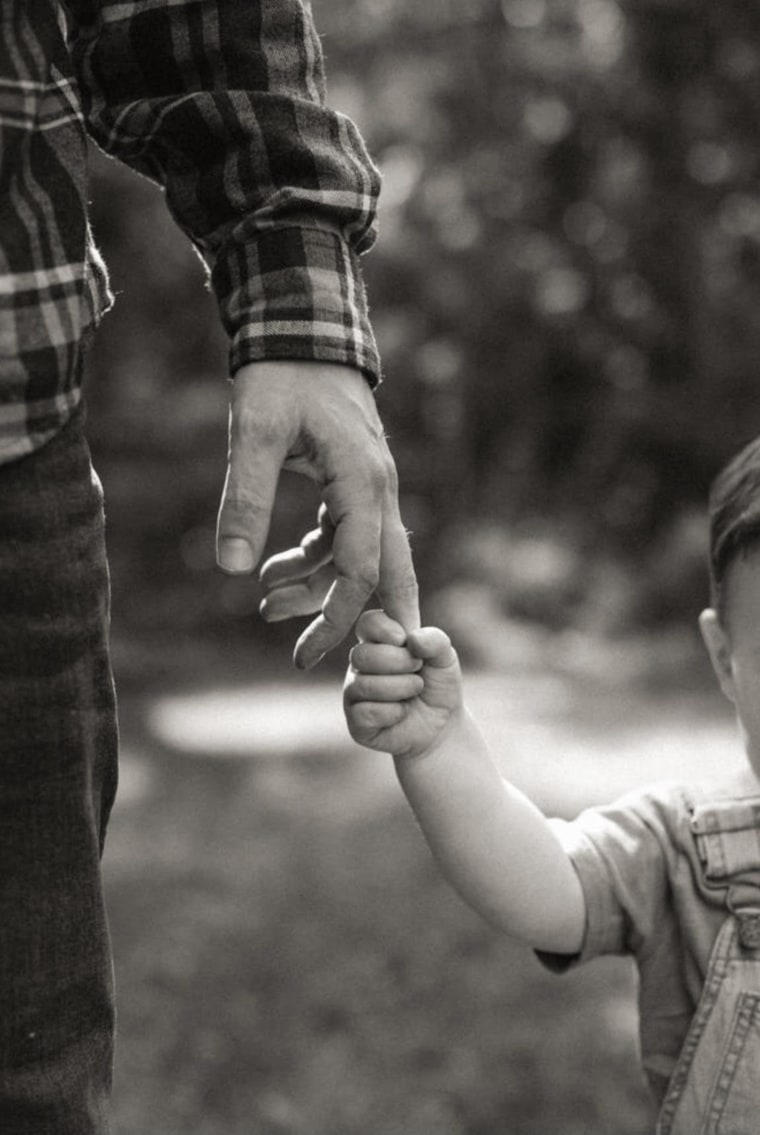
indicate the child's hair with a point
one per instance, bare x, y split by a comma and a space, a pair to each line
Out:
734, 512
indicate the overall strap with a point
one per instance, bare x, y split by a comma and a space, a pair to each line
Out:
727, 836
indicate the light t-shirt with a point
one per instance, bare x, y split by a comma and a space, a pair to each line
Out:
640, 867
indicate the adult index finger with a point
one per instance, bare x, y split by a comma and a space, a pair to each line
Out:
397, 585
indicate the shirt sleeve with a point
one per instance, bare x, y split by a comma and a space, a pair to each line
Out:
223, 103
623, 855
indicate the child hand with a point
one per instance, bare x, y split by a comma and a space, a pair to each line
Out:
401, 690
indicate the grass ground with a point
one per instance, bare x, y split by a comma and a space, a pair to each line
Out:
290, 963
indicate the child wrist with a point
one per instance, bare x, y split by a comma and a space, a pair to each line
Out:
457, 721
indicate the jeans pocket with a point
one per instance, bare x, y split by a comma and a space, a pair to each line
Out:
732, 1108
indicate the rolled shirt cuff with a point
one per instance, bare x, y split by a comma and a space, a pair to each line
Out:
294, 292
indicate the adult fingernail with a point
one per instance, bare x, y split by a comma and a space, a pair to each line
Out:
235, 555
305, 657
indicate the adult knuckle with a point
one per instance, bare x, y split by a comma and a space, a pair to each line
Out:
364, 576
331, 625
406, 583
402, 587
312, 541
367, 578
374, 477
244, 502
257, 426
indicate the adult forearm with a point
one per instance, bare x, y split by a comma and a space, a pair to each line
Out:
222, 103
492, 843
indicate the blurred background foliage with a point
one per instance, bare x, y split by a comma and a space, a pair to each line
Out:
566, 292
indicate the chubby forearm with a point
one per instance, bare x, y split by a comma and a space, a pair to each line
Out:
403, 695
492, 843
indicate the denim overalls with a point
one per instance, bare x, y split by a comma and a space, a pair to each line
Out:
715, 1086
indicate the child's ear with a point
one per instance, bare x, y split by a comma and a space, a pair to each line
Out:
719, 649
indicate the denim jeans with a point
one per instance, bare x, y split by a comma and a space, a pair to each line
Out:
58, 762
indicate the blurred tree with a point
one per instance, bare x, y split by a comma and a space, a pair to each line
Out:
571, 215
566, 292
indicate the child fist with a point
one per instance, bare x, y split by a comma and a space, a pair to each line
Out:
401, 690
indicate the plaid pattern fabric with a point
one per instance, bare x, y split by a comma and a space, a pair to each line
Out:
223, 103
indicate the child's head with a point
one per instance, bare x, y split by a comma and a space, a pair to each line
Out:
731, 625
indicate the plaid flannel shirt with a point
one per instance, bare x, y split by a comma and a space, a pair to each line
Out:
223, 103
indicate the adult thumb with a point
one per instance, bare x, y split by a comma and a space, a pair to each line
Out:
246, 507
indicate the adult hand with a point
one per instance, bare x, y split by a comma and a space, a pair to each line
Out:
321, 420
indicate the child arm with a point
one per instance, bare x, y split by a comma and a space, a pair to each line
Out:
403, 695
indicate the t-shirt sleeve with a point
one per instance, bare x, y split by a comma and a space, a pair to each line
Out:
622, 855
